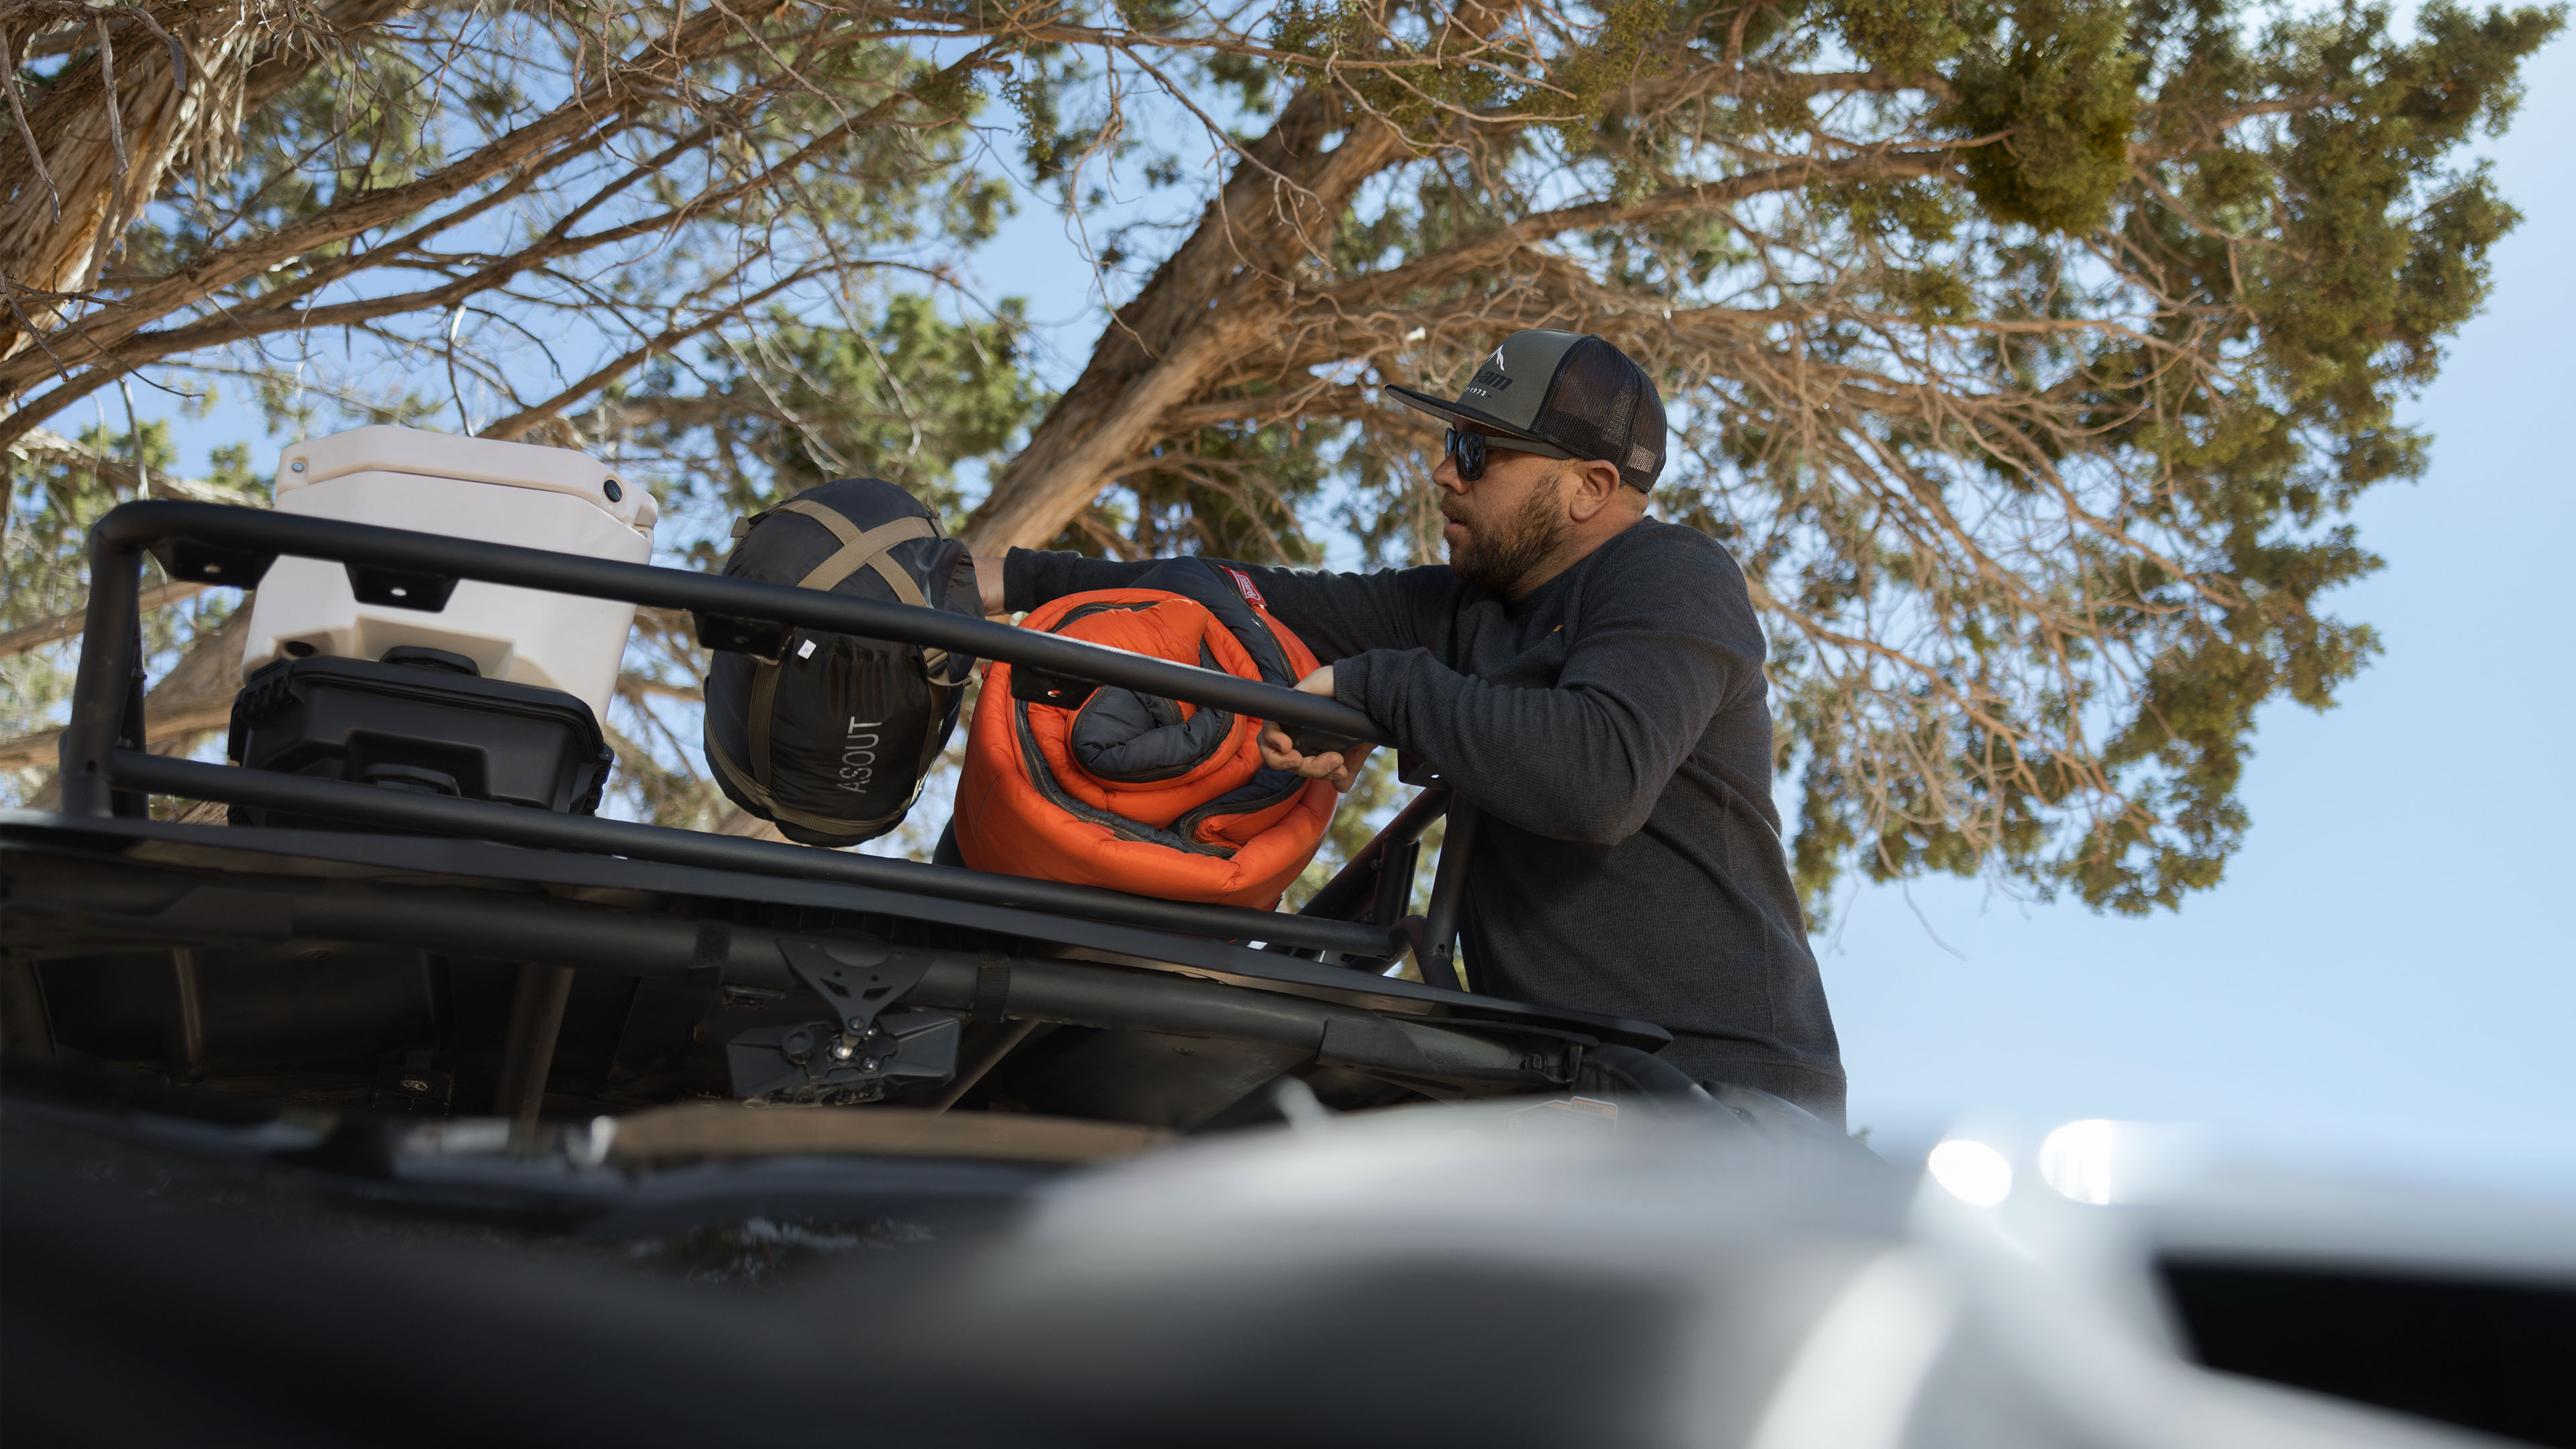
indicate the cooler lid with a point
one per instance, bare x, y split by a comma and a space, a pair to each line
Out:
386, 449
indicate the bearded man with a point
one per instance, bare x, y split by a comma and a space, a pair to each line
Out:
1591, 679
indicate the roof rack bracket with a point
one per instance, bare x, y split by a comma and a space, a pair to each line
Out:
760, 638
206, 563
861, 1055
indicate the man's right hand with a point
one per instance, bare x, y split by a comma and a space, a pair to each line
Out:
1279, 749
988, 583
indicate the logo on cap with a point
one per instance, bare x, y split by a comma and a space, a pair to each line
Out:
1497, 360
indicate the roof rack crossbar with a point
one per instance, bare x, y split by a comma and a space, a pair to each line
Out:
544, 829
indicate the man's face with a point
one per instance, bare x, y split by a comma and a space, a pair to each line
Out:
1506, 523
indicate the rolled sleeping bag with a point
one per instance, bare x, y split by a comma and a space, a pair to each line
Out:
1130, 791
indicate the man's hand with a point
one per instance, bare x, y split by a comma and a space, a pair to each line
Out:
1280, 753
988, 583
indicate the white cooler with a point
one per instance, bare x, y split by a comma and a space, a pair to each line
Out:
550, 498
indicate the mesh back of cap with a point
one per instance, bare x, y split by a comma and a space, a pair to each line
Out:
1604, 406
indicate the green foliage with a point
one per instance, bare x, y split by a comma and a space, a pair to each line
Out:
50, 508
1234, 492
391, 105
1398, 54
2055, 83
1901, 37
907, 398
2345, 252
354, 122
44, 572
1415, 69
1635, 40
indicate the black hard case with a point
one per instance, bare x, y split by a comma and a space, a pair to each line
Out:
418, 720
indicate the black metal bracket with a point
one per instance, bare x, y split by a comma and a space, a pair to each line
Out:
909, 1051
730, 635
1438, 963
1378, 881
860, 1055
400, 588
1395, 872
855, 993
1039, 686
185, 558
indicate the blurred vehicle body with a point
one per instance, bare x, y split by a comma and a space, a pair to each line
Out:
1498, 1275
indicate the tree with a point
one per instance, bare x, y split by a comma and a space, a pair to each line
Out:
58, 487
2026, 352
547, 219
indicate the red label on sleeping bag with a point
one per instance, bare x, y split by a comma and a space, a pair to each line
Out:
1243, 581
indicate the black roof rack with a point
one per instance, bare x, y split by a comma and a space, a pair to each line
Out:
107, 772
1315, 983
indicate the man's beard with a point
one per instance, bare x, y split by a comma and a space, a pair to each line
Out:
1495, 556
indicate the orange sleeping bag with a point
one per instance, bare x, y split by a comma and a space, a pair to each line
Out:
1135, 792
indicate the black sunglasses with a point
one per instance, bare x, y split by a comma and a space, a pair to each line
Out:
1469, 450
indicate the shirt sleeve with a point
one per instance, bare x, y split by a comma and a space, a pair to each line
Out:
1663, 642
1337, 615
1031, 577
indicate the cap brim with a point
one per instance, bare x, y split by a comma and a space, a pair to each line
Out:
1466, 417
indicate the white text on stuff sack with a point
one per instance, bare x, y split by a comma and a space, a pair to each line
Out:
859, 755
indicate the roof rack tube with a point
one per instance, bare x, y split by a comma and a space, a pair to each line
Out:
546, 830
1436, 951
1340, 895
109, 658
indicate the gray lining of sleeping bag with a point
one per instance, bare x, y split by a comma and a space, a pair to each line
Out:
1137, 739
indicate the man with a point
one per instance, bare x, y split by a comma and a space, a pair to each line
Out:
1592, 679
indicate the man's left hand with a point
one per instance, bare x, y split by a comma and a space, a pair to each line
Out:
1280, 753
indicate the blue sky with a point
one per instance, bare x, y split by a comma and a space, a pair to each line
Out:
2387, 975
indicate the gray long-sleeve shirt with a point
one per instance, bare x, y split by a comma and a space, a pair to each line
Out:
1615, 727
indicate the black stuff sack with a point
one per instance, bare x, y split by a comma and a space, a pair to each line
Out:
830, 740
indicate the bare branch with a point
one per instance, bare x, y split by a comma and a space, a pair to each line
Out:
68, 625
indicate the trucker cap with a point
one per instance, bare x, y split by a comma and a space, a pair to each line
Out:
1573, 391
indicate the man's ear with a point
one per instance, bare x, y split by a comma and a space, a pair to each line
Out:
1595, 486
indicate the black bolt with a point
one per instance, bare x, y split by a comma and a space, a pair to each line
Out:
798, 1044
614, 492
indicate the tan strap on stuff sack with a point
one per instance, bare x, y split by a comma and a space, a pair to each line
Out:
868, 550
859, 549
